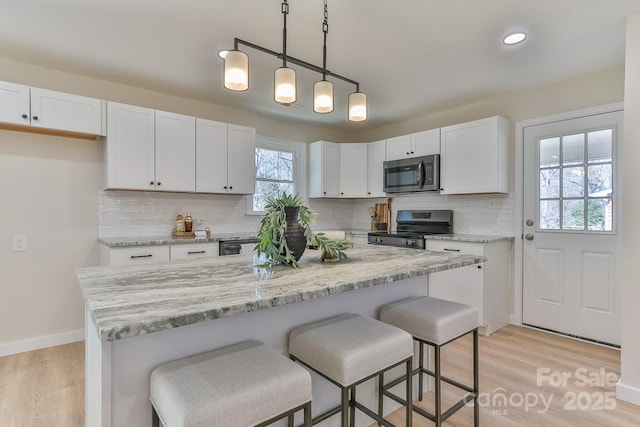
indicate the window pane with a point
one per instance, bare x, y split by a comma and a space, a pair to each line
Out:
265, 189
549, 214
549, 183
573, 214
549, 152
277, 165
573, 182
600, 143
600, 180
600, 214
573, 149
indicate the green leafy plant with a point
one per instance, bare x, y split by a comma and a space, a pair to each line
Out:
273, 225
331, 249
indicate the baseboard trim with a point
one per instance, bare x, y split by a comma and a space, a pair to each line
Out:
41, 342
627, 393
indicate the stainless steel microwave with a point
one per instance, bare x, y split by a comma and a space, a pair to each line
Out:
414, 174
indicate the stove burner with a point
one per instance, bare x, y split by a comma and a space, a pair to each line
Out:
412, 226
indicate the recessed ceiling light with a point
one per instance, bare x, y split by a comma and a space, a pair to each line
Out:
514, 38
223, 53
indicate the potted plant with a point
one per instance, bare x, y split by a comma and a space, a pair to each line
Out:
332, 249
284, 230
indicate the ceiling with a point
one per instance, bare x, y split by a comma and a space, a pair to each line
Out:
410, 57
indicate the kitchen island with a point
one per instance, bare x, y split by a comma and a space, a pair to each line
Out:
138, 317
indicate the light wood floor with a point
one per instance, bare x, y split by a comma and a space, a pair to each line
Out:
45, 388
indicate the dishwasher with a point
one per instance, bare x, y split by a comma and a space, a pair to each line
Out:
237, 247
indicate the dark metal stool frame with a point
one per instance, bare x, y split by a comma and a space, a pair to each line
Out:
439, 416
289, 414
350, 403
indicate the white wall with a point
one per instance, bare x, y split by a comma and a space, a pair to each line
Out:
629, 384
48, 190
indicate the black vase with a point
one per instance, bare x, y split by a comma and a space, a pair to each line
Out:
294, 235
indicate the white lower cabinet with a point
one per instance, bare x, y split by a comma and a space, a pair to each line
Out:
194, 251
133, 255
483, 286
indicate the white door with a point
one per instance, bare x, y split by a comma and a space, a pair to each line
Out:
571, 223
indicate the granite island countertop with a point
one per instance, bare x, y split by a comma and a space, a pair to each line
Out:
128, 301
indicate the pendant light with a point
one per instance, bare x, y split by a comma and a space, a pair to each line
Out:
284, 77
236, 74
323, 90
236, 71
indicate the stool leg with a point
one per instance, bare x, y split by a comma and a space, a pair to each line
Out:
380, 395
307, 415
438, 391
155, 420
290, 420
476, 389
352, 407
420, 374
345, 407
409, 395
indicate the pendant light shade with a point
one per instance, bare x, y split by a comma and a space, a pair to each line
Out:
285, 85
323, 97
236, 71
357, 107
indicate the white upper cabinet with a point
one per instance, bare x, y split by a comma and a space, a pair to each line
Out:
324, 169
225, 158
474, 157
353, 170
175, 151
241, 159
416, 144
130, 147
376, 152
47, 109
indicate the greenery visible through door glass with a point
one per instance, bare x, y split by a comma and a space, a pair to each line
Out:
576, 172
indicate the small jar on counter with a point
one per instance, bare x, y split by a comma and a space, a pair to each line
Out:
188, 223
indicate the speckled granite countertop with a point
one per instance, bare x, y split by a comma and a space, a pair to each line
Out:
135, 300
471, 238
120, 242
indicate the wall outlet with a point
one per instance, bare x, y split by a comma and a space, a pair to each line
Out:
19, 243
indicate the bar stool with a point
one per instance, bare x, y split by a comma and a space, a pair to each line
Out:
435, 322
244, 384
348, 350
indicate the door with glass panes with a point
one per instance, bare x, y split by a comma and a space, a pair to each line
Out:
571, 227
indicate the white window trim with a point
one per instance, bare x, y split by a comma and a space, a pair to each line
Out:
300, 160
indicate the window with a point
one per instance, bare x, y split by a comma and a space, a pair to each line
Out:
277, 171
576, 181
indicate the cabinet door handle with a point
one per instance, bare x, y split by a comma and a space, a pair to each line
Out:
35, 117
225, 187
231, 187
159, 183
151, 183
24, 116
451, 250
479, 267
196, 252
141, 256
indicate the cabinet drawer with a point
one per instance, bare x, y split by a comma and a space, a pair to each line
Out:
138, 255
465, 248
193, 251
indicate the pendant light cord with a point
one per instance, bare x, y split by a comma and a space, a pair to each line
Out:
285, 12
325, 30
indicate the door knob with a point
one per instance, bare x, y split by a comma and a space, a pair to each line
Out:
529, 236
529, 222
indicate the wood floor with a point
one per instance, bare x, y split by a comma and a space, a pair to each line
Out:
520, 382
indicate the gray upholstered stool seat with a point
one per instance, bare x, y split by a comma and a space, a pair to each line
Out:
244, 384
348, 350
435, 322
431, 319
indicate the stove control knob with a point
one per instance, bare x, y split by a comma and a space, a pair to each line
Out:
412, 242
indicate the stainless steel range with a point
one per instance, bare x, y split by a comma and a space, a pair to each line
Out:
412, 226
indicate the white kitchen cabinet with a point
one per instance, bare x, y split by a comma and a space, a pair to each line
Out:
417, 144
50, 110
175, 151
474, 157
324, 169
130, 147
483, 286
376, 152
194, 251
133, 255
353, 170
225, 158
